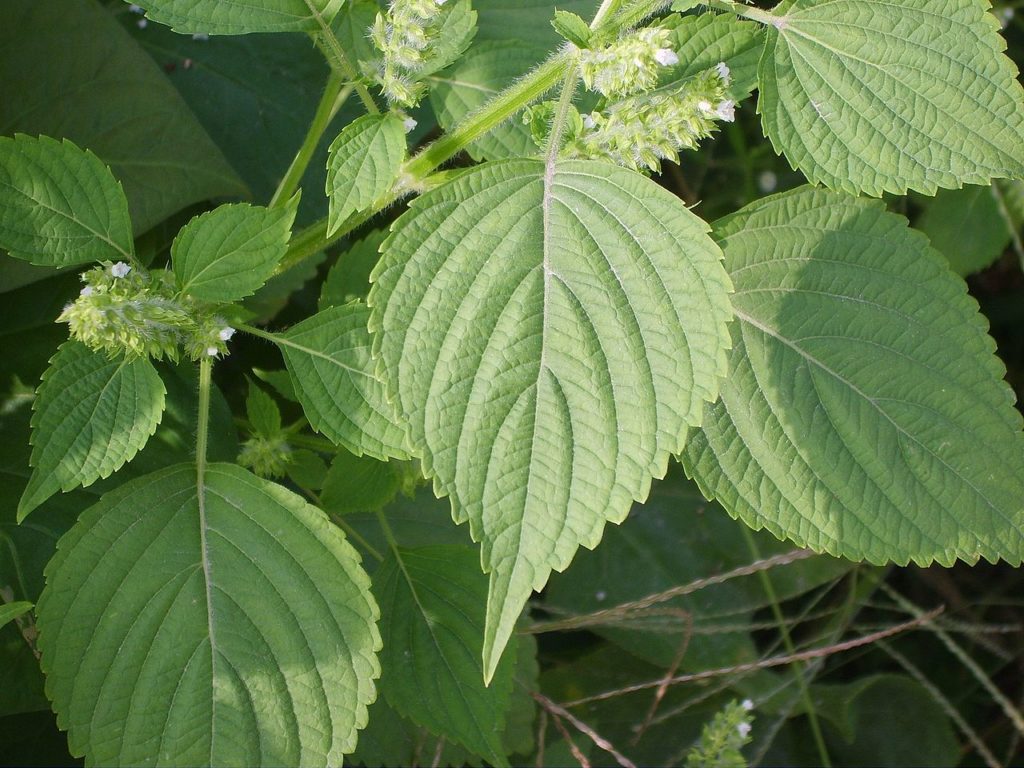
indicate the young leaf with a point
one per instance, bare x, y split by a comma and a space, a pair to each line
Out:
349, 279
432, 621
572, 28
870, 96
328, 356
230, 252
261, 410
454, 36
549, 334
364, 162
60, 205
212, 623
92, 414
966, 226
240, 17
865, 413
359, 484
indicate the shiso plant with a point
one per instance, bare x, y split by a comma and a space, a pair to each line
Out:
465, 315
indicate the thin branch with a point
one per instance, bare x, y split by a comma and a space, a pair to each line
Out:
600, 741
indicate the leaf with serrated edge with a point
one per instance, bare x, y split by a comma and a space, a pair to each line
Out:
328, 356
240, 17
217, 623
865, 413
11, 611
92, 414
432, 609
364, 162
60, 205
230, 252
873, 96
549, 333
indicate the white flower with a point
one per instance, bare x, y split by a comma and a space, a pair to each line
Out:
135, 8
87, 291
726, 110
226, 333
666, 57
724, 72
212, 351
202, 36
600, 595
705, 107
142, 23
588, 122
120, 269
409, 124
747, 704
744, 729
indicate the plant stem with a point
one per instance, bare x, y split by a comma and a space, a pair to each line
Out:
337, 58
203, 427
787, 641
336, 92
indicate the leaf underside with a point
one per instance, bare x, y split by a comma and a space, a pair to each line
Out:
222, 624
865, 413
549, 337
92, 414
872, 96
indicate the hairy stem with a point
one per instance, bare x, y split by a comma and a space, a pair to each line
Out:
746, 11
336, 92
203, 428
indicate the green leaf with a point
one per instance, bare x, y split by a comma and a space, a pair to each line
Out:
261, 410
69, 70
10, 611
549, 336
306, 469
92, 414
230, 252
526, 19
476, 79
240, 17
865, 413
966, 226
211, 623
328, 356
432, 620
458, 27
705, 40
572, 28
869, 96
364, 162
359, 484
349, 279
60, 205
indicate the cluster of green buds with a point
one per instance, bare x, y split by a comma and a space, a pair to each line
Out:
722, 739
640, 131
629, 65
266, 456
126, 311
403, 36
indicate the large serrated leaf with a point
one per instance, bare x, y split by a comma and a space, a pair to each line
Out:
873, 96
432, 609
364, 162
705, 40
70, 70
230, 252
240, 17
92, 414
549, 333
328, 356
222, 622
865, 413
60, 205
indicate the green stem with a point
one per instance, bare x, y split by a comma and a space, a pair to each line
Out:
203, 428
337, 58
787, 640
254, 331
562, 114
608, 9
336, 92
